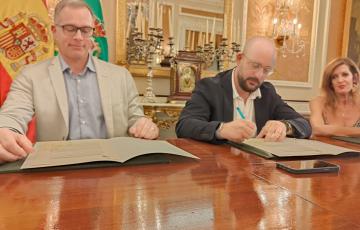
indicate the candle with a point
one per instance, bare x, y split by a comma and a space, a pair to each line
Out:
201, 35
197, 39
203, 40
151, 14
192, 40
213, 32
171, 32
161, 16
234, 32
158, 14
128, 28
154, 13
298, 30
177, 41
294, 25
137, 19
207, 32
188, 39
225, 27
140, 11
238, 32
274, 27
232, 18
143, 27
285, 32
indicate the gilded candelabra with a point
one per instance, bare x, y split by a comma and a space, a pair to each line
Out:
222, 54
146, 51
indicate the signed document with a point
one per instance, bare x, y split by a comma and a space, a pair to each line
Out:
290, 147
118, 149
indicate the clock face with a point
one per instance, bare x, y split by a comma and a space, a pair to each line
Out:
186, 78
185, 73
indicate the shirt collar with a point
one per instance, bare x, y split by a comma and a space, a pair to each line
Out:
89, 65
252, 96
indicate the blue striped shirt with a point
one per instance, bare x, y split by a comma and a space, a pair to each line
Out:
86, 117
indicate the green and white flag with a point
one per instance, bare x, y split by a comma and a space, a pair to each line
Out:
99, 35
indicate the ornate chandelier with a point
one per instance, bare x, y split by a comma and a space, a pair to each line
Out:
286, 28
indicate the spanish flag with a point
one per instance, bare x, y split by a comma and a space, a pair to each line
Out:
25, 37
100, 36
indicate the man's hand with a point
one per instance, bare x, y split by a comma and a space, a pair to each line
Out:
13, 146
237, 130
144, 128
273, 131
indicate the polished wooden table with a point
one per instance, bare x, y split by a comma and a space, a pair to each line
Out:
226, 189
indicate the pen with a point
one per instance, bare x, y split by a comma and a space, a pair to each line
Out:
240, 113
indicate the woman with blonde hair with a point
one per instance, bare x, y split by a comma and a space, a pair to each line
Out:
336, 112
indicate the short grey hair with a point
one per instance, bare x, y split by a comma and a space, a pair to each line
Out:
72, 4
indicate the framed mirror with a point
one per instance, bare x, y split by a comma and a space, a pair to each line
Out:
190, 19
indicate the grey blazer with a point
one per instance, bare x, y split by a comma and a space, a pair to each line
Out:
40, 89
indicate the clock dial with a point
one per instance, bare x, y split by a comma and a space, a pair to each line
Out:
184, 74
187, 80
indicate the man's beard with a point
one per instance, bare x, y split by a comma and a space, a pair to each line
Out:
245, 87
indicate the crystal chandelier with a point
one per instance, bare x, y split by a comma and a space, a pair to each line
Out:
286, 28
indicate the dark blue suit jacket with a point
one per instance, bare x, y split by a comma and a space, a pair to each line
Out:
212, 102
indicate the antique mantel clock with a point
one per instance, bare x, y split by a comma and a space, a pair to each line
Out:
184, 74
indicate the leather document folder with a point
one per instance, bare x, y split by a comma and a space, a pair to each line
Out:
355, 140
92, 153
290, 147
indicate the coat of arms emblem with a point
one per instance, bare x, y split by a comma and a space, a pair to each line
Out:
23, 39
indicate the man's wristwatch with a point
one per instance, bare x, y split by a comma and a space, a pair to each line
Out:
289, 128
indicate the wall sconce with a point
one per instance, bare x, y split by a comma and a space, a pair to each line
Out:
286, 28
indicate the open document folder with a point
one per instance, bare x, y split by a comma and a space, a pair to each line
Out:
119, 149
290, 147
355, 140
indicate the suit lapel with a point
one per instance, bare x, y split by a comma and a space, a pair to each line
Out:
57, 79
228, 96
104, 82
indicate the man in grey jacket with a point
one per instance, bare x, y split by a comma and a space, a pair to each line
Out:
73, 96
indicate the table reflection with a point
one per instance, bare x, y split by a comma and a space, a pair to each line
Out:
226, 189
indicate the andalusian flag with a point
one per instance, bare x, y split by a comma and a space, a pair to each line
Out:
25, 37
99, 36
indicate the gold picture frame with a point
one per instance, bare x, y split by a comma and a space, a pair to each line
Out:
351, 37
345, 39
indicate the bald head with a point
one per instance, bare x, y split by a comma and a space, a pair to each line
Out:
260, 46
255, 63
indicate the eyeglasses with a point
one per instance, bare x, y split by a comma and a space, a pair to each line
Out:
71, 30
256, 66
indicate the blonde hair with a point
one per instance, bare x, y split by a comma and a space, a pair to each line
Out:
327, 86
72, 4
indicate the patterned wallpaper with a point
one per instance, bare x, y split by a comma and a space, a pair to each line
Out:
259, 22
